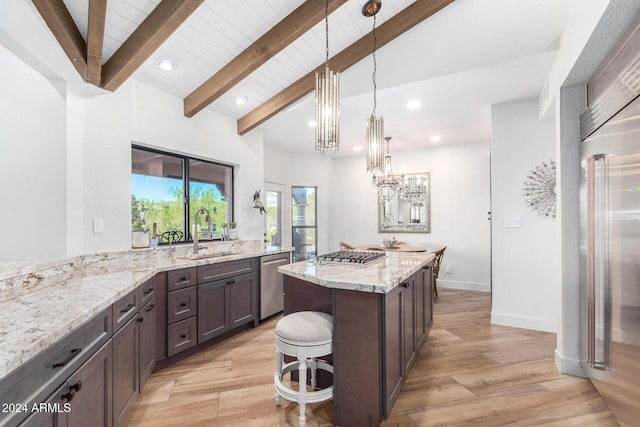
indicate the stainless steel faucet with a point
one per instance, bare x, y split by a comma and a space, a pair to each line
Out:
195, 228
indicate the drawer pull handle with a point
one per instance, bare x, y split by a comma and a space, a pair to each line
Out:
76, 387
151, 307
231, 282
183, 304
127, 308
68, 396
183, 279
147, 291
72, 354
183, 336
405, 285
140, 319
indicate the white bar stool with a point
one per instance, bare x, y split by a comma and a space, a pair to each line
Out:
305, 335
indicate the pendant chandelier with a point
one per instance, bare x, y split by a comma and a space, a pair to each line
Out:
387, 182
327, 96
375, 125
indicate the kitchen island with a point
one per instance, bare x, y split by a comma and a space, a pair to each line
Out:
382, 313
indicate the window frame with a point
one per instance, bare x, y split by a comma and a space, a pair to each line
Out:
186, 202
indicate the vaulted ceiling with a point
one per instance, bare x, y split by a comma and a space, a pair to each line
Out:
107, 41
457, 57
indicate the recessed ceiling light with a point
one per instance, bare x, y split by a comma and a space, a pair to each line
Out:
414, 104
166, 64
435, 138
357, 148
311, 123
241, 100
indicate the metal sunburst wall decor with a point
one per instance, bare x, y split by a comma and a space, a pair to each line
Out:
540, 189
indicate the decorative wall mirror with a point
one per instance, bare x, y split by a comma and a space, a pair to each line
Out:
405, 209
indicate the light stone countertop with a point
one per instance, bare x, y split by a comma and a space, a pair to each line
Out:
380, 276
33, 320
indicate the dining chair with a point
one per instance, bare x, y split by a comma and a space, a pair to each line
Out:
346, 247
437, 261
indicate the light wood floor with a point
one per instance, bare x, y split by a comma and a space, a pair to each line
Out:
469, 373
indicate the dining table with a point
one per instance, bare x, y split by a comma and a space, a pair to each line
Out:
399, 248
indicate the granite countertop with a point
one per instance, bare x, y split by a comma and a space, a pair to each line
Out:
34, 319
379, 276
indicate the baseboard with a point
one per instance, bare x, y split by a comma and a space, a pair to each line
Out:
466, 286
524, 322
569, 366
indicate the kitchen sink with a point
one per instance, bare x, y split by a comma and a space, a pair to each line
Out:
205, 256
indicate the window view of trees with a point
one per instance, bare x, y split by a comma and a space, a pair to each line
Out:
158, 202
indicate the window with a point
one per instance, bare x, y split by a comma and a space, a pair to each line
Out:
304, 231
167, 190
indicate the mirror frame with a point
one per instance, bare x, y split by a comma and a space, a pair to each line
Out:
400, 205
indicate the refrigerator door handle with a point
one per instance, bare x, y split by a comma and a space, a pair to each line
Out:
597, 262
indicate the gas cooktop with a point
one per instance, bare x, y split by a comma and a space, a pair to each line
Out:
350, 257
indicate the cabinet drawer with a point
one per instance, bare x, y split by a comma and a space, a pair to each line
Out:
218, 271
182, 335
182, 304
37, 379
178, 279
147, 291
124, 309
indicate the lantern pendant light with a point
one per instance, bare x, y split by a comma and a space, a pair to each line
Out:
327, 97
375, 125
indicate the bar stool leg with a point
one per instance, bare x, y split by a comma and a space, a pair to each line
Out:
302, 394
278, 373
313, 365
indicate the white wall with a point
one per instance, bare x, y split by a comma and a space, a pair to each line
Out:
460, 201
525, 281
290, 169
32, 163
81, 146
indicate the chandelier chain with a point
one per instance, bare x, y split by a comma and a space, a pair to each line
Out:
375, 67
326, 28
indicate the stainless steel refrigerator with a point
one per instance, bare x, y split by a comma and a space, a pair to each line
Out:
610, 242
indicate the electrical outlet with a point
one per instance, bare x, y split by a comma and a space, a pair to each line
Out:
98, 226
448, 269
512, 221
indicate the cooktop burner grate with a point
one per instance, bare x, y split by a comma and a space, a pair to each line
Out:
350, 257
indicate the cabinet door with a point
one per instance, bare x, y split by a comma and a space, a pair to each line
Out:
125, 371
84, 400
213, 315
91, 389
243, 292
409, 321
393, 334
147, 340
420, 324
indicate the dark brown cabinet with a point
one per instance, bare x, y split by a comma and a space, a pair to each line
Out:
181, 310
126, 381
147, 331
85, 398
377, 340
225, 304
213, 317
134, 348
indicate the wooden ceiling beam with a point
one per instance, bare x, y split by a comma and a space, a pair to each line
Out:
392, 28
266, 47
59, 20
95, 40
149, 35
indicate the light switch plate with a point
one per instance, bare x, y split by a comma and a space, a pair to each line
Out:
98, 225
512, 222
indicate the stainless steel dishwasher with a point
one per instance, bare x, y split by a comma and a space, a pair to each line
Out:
271, 300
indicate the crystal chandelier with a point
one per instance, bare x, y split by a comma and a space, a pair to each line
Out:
412, 189
327, 96
387, 182
375, 125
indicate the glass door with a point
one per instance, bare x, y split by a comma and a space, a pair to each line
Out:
304, 229
274, 218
